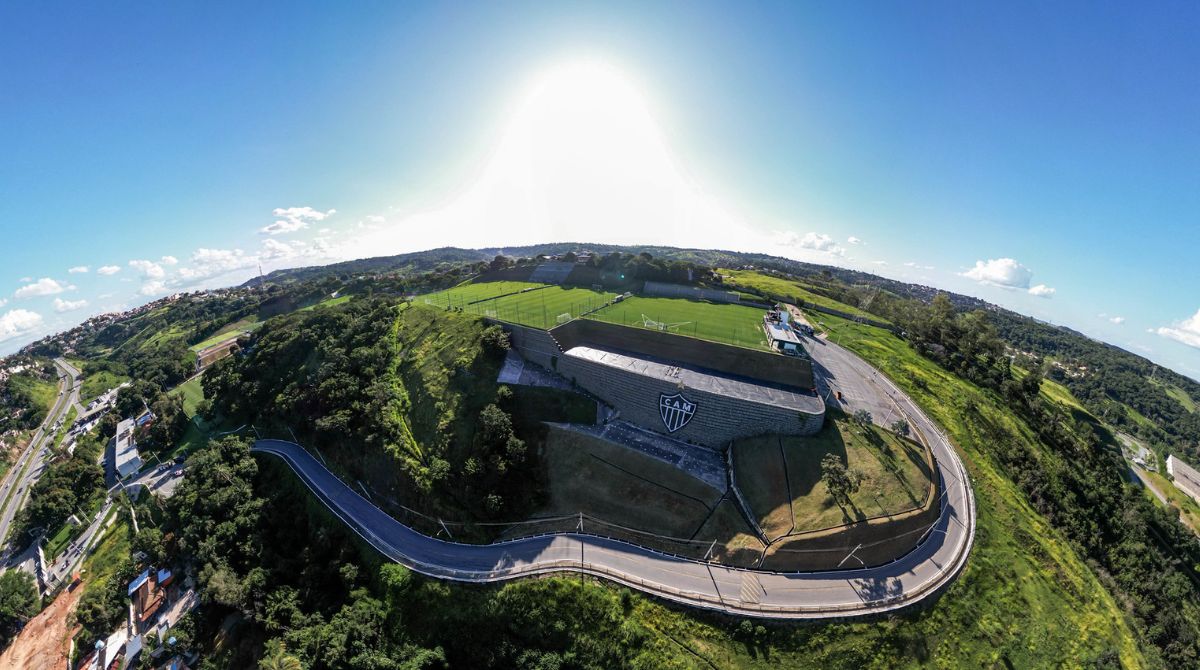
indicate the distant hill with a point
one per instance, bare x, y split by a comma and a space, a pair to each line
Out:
1111, 381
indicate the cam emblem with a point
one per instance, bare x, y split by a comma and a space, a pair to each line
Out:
676, 411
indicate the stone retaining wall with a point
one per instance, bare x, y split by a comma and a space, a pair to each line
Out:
767, 366
718, 419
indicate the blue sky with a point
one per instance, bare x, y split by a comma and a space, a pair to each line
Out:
988, 150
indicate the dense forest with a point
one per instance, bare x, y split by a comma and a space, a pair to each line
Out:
402, 396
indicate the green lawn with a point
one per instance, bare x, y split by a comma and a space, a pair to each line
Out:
43, 392
230, 332
759, 471
896, 477
1180, 396
1023, 575
794, 289
718, 322
192, 393
623, 486
328, 302
96, 383
59, 541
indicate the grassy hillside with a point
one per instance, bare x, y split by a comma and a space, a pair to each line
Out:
798, 291
1029, 568
34, 395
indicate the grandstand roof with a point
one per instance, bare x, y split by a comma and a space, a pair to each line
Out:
703, 380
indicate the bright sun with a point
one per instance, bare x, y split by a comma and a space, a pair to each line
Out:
581, 159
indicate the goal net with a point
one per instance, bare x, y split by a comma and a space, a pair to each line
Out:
647, 322
563, 318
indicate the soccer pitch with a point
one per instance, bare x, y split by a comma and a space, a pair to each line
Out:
463, 295
727, 323
541, 308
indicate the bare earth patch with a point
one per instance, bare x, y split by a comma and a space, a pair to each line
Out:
45, 641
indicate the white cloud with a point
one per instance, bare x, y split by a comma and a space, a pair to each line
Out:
376, 218
153, 287
108, 269
148, 268
61, 305
213, 262
41, 287
292, 219
18, 322
1042, 291
1002, 272
812, 241
1186, 331
169, 260
26, 280
325, 231
879, 262
276, 250
854, 240
1117, 320
78, 269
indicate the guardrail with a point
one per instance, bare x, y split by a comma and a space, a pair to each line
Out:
715, 601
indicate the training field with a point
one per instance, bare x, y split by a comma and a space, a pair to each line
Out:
465, 294
539, 308
229, 332
727, 323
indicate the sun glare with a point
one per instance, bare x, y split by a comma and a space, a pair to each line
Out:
581, 158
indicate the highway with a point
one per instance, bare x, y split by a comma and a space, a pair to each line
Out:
931, 566
31, 463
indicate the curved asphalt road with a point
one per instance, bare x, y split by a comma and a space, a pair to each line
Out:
923, 572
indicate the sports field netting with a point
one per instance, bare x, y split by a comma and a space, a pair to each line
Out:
461, 296
727, 323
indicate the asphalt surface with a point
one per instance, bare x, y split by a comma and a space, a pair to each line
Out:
925, 571
31, 463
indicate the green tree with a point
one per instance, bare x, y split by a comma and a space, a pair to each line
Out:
901, 427
278, 658
841, 481
18, 602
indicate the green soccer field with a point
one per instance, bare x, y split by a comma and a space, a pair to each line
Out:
543, 308
731, 324
465, 294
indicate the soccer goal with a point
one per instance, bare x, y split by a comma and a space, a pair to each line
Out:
663, 326
563, 318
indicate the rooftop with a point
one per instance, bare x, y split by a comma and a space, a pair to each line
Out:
704, 380
781, 333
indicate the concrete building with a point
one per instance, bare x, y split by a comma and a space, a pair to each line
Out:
696, 391
1185, 477
128, 461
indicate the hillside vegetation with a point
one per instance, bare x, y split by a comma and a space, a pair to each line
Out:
400, 396
1027, 454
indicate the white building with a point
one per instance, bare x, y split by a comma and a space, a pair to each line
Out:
1185, 477
128, 461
